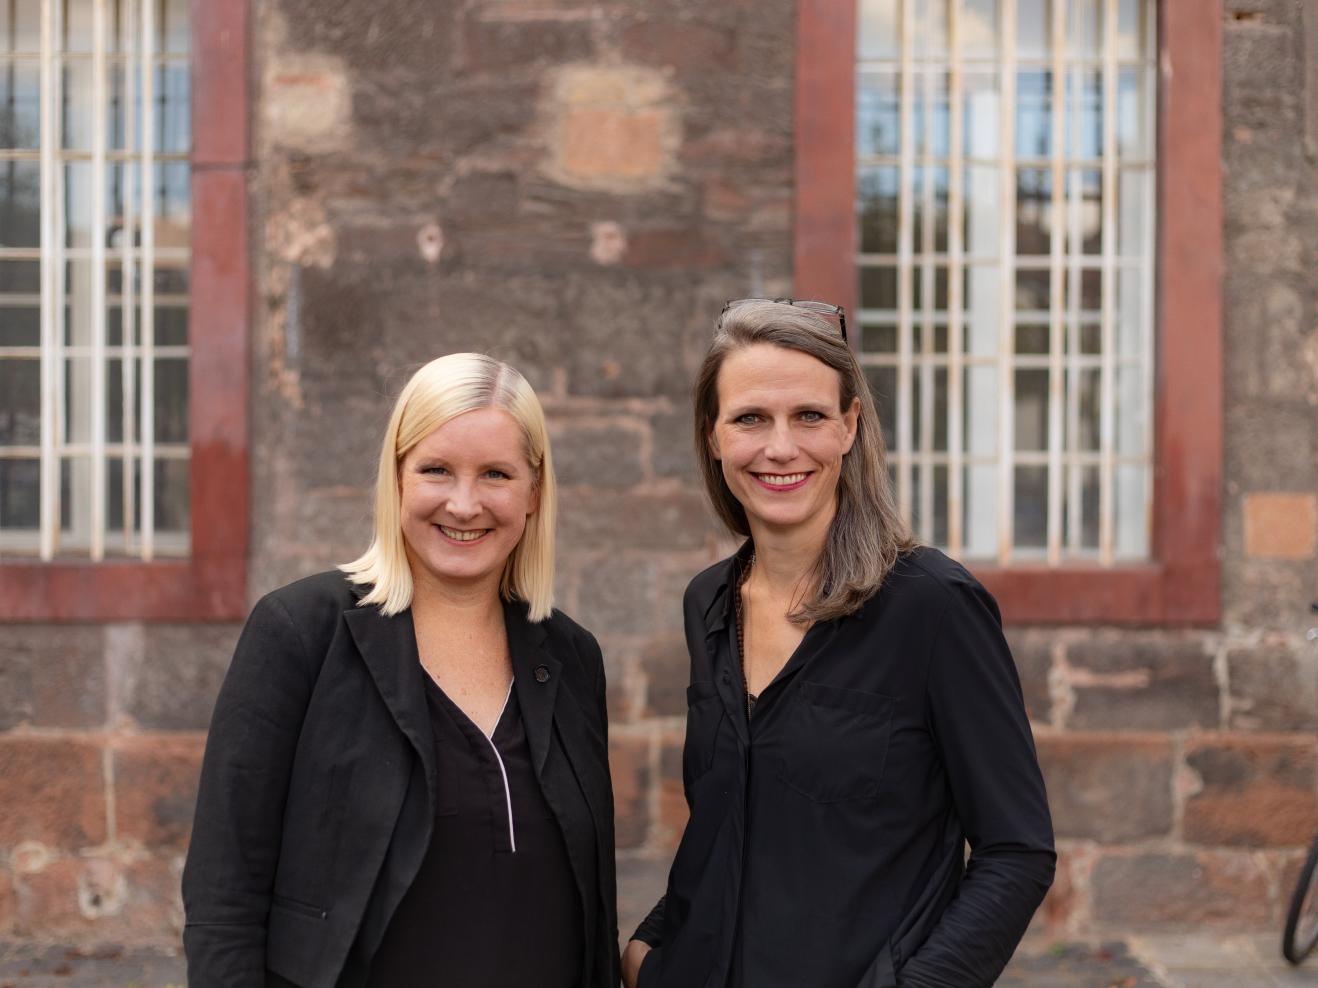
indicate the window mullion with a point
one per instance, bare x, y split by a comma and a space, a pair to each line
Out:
1107, 413
51, 308
927, 288
1007, 299
905, 235
955, 302
97, 301
1056, 280
147, 184
127, 305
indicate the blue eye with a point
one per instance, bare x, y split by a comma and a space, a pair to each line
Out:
750, 418
496, 474
435, 470
813, 416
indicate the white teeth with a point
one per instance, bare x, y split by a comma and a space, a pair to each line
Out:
782, 479
461, 536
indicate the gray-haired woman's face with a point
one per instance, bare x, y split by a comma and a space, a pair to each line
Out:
781, 435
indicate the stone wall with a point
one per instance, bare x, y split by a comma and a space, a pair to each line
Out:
577, 187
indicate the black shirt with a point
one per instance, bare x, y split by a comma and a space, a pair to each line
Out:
495, 903
826, 839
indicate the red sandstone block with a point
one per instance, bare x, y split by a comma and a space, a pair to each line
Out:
101, 898
1108, 787
1281, 526
51, 791
1225, 890
1256, 792
629, 761
155, 789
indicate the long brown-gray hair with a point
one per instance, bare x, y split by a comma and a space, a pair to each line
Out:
867, 534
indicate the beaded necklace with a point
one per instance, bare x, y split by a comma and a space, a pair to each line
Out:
743, 575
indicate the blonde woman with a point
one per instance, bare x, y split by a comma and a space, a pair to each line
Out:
406, 780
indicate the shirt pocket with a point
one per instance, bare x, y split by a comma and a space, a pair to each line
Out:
704, 714
836, 743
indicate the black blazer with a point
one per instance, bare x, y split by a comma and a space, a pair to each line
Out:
826, 840
318, 787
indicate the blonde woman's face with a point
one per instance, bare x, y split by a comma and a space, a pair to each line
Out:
781, 435
466, 492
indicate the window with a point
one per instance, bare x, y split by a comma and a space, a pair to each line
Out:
94, 141
985, 186
122, 309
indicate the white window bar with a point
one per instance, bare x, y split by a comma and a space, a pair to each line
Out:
52, 263
1056, 287
929, 220
1107, 407
95, 127
1007, 285
128, 277
905, 239
955, 274
98, 365
148, 326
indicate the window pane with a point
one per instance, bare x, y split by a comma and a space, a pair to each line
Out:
930, 125
20, 325
20, 277
20, 401
20, 204
1031, 508
1034, 28
20, 105
1134, 128
883, 384
171, 495
878, 288
1031, 415
1034, 211
979, 128
879, 30
171, 401
173, 122
878, 113
979, 28
173, 25
20, 499
1133, 29
981, 511
881, 338
21, 29
877, 190
982, 237
1034, 107
1084, 21
1130, 510
1084, 114
980, 408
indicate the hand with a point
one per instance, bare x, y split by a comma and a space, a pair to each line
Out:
632, 958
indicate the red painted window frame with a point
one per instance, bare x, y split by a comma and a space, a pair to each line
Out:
1180, 585
209, 585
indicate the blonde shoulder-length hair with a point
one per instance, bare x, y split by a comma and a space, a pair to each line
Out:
440, 391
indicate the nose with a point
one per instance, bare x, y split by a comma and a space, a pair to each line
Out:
782, 445
462, 503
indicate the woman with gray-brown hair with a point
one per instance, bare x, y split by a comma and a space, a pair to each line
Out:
855, 717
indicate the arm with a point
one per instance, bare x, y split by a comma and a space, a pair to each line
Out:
978, 720
237, 828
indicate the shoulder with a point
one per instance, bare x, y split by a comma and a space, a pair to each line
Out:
331, 588
927, 577
568, 638
706, 584
311, 605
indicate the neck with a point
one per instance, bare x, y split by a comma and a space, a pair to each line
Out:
784, 557
471, 603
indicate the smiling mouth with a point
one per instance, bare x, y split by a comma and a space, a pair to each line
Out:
463, 535
782, 481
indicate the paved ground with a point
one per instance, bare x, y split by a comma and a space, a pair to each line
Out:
1183, 961
1165, 962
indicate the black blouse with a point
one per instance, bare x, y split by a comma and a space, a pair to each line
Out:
495, 903
826, 839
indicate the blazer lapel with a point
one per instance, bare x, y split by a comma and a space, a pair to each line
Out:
535, 675
388, 647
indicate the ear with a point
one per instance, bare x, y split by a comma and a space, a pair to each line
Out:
850, 420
